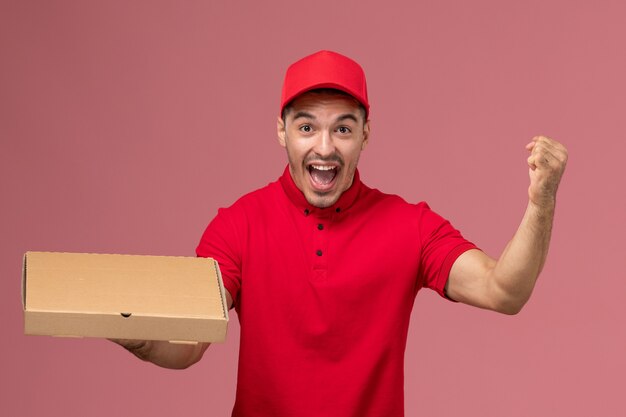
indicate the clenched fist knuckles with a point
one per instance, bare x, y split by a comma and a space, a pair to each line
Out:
547, 162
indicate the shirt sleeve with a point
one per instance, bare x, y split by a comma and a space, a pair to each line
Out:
221, 242
441, 244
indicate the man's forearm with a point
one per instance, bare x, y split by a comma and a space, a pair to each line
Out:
515, 272
165, 354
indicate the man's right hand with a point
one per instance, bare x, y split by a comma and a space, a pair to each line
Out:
163, 353
166, 354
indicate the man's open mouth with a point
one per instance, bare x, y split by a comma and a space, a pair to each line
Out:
322, 176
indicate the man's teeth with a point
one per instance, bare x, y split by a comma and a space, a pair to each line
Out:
323, 175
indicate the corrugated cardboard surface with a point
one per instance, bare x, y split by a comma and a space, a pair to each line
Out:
124, 296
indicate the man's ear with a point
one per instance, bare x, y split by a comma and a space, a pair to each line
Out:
366, 134
280, 130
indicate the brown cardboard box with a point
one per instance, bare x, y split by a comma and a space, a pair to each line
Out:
180, 299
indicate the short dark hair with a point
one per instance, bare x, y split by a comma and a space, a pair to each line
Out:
329, 91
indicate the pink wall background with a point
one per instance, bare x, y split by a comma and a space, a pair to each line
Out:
125, 125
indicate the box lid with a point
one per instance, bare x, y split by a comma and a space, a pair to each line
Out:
102, 294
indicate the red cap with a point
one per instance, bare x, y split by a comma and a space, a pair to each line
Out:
325, 69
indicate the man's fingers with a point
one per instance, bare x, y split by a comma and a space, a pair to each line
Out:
129, 344
541, 160
557, 150
540, 156
545, 152
547, 161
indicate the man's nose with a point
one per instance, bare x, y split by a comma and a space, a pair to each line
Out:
324, 145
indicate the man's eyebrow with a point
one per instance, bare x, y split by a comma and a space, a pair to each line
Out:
347, 116
307, 115
304, 114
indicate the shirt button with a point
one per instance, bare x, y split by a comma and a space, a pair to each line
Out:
306, 212
319, 252
320, 226
337, 210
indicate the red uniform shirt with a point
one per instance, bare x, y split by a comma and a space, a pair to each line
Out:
324, 296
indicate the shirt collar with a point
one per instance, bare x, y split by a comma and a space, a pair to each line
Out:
346, 200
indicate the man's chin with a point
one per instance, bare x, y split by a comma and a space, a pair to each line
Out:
322, 199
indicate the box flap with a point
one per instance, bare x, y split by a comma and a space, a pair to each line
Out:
24, 281
128, 284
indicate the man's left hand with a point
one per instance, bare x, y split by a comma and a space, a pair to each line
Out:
547, 162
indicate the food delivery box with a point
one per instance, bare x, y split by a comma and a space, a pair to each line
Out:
178, 299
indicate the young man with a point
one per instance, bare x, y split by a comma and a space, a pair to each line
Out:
323, 270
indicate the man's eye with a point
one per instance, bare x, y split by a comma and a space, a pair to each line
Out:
305, 128
343, 130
